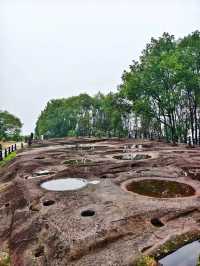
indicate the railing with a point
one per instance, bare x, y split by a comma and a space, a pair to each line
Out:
5, 152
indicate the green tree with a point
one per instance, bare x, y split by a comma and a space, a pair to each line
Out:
10, 126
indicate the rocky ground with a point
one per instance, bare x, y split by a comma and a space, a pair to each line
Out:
41, 227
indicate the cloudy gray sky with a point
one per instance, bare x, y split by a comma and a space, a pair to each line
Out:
59, 48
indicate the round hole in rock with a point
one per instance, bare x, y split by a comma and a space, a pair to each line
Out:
39, 252
157, 222
87, 213
103, 176
48, 202
160, 188
64, 184
39, 158
7, 205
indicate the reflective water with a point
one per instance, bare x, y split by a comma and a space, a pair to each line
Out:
94, 182
185, 256
64, 184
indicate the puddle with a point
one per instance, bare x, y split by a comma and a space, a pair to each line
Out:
68, 184
185, 256
160, 188
64, 184
94, 182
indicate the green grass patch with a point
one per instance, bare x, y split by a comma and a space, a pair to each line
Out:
10, 157
145, 261
4, 259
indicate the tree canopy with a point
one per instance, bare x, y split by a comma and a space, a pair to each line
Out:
164, 86
83, 115
10, 126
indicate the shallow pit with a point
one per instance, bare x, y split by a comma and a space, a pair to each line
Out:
39, 252
64, 184
184, 256
43, 172
132, 156
87, 213
48, 202
157, 222
77, 162
160, 188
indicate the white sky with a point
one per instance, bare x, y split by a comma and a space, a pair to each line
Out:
59, 48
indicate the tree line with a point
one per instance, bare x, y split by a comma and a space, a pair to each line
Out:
160, 93
83, 115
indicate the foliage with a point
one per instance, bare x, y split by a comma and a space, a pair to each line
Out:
101, 115
10, 126
164, 86
146, 261
5, 259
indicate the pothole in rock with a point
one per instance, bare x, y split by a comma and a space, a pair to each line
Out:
187, 255
160, 188
43, 172
48, 202
87, 213
64, 184
130, 156
77, 162
39, 252
39, 158
157, 222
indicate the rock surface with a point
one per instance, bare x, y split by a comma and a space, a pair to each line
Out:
120, 228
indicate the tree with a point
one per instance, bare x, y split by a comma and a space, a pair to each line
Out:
10, 126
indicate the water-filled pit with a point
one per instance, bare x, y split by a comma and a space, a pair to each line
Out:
64, 184
160, 188
184, 256
67, 184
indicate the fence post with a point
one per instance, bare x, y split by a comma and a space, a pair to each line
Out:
12, 148
5, 153
189, 141
9, 151
15, 146
22, 145
1, 155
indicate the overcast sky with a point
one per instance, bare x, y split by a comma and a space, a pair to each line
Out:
59, 48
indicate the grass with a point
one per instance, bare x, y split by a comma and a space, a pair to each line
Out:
10, 157
4, 259
145, 261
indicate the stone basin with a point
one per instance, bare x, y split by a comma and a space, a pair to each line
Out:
67, 184
160, 188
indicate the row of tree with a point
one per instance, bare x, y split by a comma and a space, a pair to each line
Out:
83, 115
160, 93
10, 126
